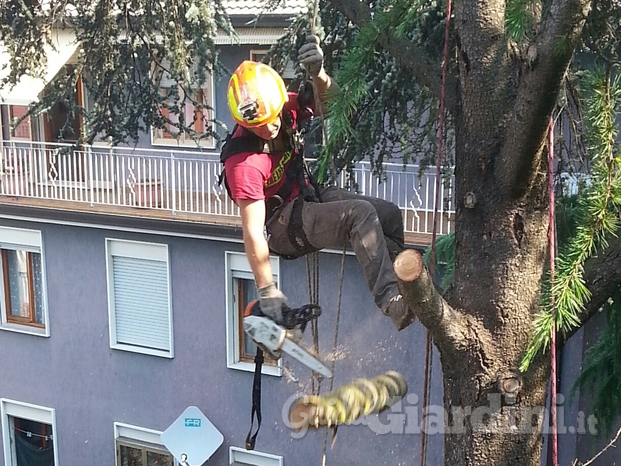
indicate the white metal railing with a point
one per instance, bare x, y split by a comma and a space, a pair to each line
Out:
183, 181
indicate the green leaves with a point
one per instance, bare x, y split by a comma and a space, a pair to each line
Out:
598, 210
343, 106
444, 259
382, 113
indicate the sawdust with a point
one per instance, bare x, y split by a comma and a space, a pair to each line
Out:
306, 382
378, 355
340, 353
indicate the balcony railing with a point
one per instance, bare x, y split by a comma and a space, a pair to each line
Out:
183, 181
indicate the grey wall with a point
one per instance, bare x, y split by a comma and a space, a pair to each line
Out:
92, 386
577, 439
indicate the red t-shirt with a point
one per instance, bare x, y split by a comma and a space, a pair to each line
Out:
258, 175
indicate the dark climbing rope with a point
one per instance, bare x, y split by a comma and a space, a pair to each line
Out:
436, 208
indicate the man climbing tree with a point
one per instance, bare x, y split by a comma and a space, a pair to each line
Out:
264, 167
509, 64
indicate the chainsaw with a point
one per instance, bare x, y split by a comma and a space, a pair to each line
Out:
272, 337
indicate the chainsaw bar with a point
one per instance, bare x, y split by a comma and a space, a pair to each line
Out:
269, 334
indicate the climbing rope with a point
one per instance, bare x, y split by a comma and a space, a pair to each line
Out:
313, 261
436, 208
333, 358
312, 275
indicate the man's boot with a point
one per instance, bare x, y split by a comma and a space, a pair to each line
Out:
399, 312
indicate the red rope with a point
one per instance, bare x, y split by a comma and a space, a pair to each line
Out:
434, 234
552, 248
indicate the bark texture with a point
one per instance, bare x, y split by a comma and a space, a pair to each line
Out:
504, 96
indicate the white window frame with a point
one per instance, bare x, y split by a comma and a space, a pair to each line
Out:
208, 91
255, 458
29, 412
21, 239
255, 52
289, 71
137, 250
141, 436
237, 266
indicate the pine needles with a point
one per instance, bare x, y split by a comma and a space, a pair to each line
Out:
126, 49
444, 259
520, 18
381, 111
601, 368
598, 210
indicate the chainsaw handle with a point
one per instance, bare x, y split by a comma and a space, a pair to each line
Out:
302, 314
308, 312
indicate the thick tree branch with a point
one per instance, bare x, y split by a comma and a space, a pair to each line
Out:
602, 276
408, 56
447, 326
543, 71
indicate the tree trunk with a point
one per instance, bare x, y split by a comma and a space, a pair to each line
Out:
482, 330
495, 418
501, 105
501, 246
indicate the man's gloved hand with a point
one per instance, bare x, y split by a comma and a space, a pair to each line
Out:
310, 56
271, 300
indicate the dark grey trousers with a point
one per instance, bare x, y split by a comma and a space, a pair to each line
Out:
373, 226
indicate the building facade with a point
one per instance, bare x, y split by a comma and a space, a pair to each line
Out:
122, 300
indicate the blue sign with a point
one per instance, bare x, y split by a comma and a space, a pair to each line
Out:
192, 438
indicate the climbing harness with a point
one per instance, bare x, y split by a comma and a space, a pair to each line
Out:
290, 140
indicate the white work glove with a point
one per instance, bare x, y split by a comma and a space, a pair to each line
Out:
271, 300
310, 56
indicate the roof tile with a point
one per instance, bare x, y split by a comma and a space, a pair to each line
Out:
253, 7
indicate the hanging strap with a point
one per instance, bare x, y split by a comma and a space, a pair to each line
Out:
256, 400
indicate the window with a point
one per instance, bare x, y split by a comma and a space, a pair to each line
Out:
28, 434
21, 131
139, 304
287, 75
240, 290
258, 55
191, 108
241, 457
23, 297
137, 446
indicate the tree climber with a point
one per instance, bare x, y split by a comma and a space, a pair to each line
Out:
267, 179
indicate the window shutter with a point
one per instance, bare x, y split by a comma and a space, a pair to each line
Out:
141, 302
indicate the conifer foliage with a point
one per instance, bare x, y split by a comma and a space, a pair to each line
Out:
126, 48
511, 66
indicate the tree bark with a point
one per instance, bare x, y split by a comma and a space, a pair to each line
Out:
494, 414
482, 327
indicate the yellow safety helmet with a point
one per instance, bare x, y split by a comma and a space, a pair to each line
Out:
256, 94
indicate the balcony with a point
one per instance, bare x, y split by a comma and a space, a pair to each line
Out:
181, 185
